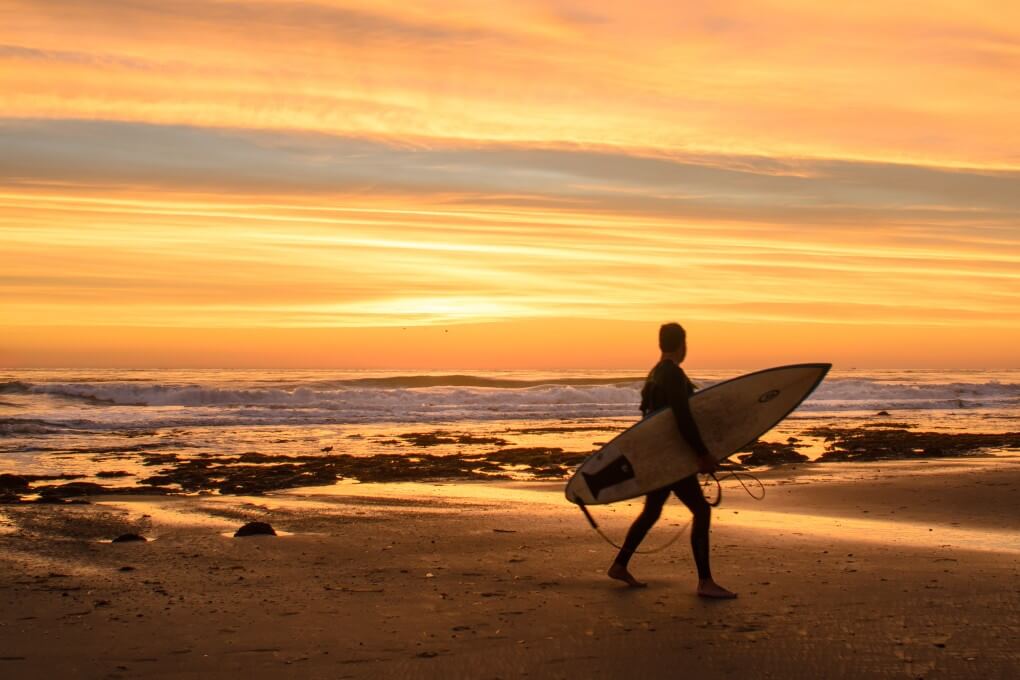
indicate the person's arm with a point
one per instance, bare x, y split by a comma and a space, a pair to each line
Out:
679, 401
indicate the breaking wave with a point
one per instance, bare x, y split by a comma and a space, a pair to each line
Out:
450, 397
15, 426
351, 397
840, 394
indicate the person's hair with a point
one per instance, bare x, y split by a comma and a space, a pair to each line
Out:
671, 337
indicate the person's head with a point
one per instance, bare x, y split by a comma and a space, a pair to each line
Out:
673, 340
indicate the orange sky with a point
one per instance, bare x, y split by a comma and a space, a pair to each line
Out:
508, 184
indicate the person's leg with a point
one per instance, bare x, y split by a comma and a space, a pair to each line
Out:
638, 530
688, 490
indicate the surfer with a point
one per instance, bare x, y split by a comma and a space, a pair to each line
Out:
668, 385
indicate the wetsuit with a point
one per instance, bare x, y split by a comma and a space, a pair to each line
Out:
668, 385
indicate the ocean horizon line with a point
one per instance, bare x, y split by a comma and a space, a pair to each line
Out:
468, 371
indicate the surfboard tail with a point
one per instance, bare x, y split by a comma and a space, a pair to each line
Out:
620, 470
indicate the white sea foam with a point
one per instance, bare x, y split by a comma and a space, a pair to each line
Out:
863, 394
223, 399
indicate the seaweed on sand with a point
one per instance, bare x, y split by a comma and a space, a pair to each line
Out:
771, 453
895, 443
443, 437
256, 473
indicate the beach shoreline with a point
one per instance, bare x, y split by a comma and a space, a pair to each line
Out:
844, 570
146, 465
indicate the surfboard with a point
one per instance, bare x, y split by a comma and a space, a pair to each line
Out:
730, 415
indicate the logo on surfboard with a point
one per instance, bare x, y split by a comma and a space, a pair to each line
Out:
768, 396
620, 470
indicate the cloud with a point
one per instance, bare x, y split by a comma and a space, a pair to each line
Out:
789, 79
189, 158
811, 191
284, 19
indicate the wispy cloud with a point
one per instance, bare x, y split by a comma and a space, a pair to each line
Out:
366, 234
759, 78
103, 154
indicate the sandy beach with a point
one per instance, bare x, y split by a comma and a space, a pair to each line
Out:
885, 570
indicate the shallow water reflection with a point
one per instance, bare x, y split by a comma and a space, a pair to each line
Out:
896, 532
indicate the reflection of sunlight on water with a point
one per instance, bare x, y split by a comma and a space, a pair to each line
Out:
987, 462
616, 517
930, 534
545, 493
172, 512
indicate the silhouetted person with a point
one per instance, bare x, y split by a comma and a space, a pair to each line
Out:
668, 385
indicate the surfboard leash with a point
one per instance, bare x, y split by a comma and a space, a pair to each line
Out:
595, 526
733, 473
737, 475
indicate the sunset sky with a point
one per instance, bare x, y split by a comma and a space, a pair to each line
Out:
515, 184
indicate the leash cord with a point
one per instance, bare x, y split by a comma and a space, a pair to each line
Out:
737, 475
718, 483
662, 547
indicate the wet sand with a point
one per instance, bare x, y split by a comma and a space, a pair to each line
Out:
885, 570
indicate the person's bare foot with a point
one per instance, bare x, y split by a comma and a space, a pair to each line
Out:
620, 573
709, 588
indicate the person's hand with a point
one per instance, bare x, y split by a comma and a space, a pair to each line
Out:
706, 465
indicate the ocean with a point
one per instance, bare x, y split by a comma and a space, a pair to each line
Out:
83, 421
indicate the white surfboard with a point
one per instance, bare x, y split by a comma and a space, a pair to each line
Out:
730, 415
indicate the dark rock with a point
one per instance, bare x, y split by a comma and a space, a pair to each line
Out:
890, 424
126, 568
255, 529
772, 453
443, 437
114, 473
7, 497
871, 444
254, 473
143, 490
156, 480
9, 482
882, 413
540, 461
568, 428
71, 489
41, 478
160, 459
130, 538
